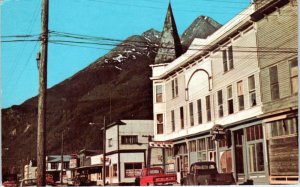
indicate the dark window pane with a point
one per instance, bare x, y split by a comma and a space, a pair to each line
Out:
208, 112
225, 66
191, 114
230, 57
181, 118
173, 120
260, 157
199, 111
230, 106
158, 93
275, 91
273, 75
241, 102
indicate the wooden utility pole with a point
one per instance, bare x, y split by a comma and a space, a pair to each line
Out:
104, 150
62, 158
41, 130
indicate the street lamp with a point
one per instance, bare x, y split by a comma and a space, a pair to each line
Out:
104, 147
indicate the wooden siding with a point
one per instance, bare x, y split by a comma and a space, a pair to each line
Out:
283, 156
277, 30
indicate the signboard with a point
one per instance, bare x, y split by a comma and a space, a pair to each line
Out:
162, 144
218, 132
73, 163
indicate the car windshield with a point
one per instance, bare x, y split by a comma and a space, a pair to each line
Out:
204, 166
154, 171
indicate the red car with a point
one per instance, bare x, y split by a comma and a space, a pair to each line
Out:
155, 176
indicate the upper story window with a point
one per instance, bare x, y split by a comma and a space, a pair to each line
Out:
110, 142
208, 108
174, 88
181, 118
129, 139
66, 165
173, 120
252, 93
159, 93
199, 107
54, 165
227, 59
229, 100
160, 123
191, 114
294, 75
274, 84
240, 94
220, 103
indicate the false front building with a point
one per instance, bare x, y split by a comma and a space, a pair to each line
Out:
207, 102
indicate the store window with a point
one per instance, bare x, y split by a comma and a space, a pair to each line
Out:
255, 148
252, 93
159, 93
202, 149
132, 139
132, 170
294, 75
282, 128
211, 146
229, 100
192, 146
160, 124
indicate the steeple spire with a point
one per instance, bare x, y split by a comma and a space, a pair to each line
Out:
170, 45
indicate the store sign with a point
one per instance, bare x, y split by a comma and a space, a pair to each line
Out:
73, 163
218, 132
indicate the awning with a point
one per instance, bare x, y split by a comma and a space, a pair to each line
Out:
161, 144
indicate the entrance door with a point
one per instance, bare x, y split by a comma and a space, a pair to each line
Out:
239, 161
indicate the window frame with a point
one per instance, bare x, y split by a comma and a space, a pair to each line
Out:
230, 100
240, 95
134, 172
174, 87
159, 95
110, 143
191, 112
159, 124
274, 86
181, 111
129, 139
173, 120
227, 56
199, 108
208, 108
292, 77
220, 103
252, 91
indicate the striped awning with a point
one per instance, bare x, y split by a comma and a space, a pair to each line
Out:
162, 144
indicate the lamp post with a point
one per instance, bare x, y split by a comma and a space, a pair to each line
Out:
104, 148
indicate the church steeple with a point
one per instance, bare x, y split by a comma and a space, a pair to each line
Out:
170, 46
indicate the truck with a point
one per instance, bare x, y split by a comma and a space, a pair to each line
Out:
155, 176
206, 173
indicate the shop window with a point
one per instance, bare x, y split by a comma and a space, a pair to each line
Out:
180, 149
274, 83
173, 120
129, 139
191, 114
229, 100
220, 103
174, 88
192, 146
54, 165
222, 143
181, 118
115, 170
199, 107
211, 149
208, 109
294, 75
240, 94
226, 161
169, 152
65, 165
256, 157
282, 128
159, 93
254, 133
201, 149
132, 170
160, 124
252, 93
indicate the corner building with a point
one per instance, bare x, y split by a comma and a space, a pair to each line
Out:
216, 84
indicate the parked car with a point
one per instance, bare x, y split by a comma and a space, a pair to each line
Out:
155, 176
10, 183
206, 173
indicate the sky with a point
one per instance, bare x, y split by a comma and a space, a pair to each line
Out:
114, 19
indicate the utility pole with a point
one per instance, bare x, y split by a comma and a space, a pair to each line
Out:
62, 158
104, 150
41, 130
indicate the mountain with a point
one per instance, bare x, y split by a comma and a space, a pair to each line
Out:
116, 86
201, 27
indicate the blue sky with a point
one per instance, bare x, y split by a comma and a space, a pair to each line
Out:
114, 19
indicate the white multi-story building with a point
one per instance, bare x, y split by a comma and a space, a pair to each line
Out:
213, 92
127, 143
